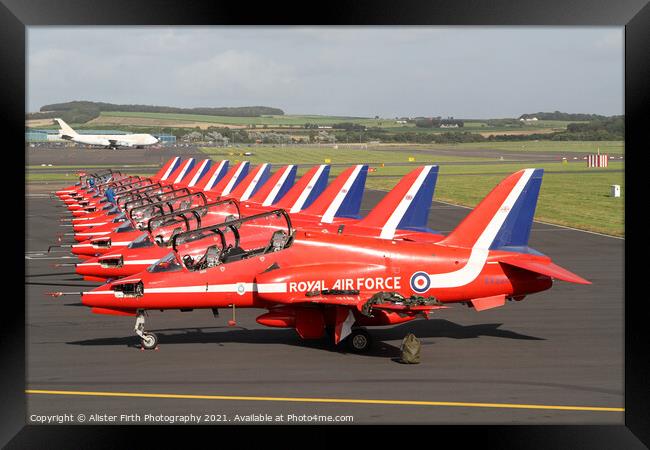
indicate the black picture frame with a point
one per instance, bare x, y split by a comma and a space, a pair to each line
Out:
16, 15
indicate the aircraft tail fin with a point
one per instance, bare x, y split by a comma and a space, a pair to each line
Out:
66, 130
503, 219
276, 187
406, 206
166, 170
215, 174
342, 198
176, 172
234, 176
306, 190
197, 173
182, 172
255, 179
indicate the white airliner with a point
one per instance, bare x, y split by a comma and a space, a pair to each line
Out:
106, 140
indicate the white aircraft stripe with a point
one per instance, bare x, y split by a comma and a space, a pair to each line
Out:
90, 224
126, 263
266, 288
271, 288
216, 173
234, 178
336, 203
184, 171
249, 190
270, 199
169, 169
198, 173
93, 234
388, 230
305, 193
480, 250
113, 244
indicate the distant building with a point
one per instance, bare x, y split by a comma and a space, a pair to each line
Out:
166, 139
450, 122
532, 119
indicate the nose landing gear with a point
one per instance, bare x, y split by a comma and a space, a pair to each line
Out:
149, 341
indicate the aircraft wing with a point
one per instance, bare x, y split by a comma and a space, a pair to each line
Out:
363, 302
369, 305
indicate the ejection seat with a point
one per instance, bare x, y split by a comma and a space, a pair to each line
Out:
278, 241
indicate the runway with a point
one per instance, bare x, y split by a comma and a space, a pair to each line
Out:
560, 348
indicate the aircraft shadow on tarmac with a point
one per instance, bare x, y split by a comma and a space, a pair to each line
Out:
51, 274
437, 328
32, 283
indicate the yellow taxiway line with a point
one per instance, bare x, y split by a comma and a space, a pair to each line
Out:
324, 400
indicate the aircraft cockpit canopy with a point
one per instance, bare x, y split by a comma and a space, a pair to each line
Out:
164, 228
234, 240
141, 241
141, 215
166, 193
166, 264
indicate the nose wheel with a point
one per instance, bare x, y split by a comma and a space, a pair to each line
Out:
149, 341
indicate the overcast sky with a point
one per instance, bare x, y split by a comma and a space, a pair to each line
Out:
465, 72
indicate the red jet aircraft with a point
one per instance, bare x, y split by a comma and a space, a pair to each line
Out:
324, 282
402, 214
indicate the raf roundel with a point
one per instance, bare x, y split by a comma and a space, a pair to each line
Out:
420, 282
241, 288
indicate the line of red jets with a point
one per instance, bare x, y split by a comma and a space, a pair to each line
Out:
203, 235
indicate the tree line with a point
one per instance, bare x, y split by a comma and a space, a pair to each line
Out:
557, 115
84, 111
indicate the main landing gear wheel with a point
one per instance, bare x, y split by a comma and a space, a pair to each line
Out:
149, 341
359, 340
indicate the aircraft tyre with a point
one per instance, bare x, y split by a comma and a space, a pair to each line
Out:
359, 340
149, 341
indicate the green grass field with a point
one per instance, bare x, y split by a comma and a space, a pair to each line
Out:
96, 166
262, 120
577, 198
318, 155
570, 195
606, 147
300, 120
